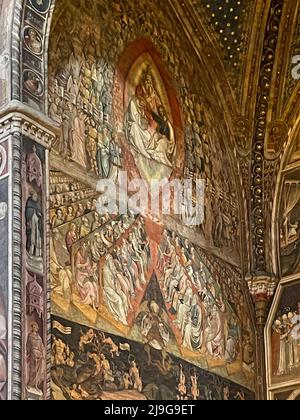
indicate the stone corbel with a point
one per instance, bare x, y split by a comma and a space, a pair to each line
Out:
262, 288
19, 118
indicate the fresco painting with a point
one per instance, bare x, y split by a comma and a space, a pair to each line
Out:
146, 283
149, 122
90, 364
176, 322
122, 105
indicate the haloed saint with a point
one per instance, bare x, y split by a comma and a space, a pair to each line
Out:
148, 121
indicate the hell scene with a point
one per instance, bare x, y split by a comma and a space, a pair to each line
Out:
89, 364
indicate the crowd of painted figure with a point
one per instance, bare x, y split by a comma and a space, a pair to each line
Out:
125, 272
87, 239
286, 343
208, 314
67, 200
92, 365
81, 105
81, 89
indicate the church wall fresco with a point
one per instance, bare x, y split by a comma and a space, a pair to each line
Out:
144, 307
126, 273
90, 364
123, 101
282, 329
89, 96
34, 271
33, 66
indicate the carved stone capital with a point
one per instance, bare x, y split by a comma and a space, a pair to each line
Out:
18, 118
262, 288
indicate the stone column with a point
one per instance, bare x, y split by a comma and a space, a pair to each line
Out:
25, 139
5, 206
262, 288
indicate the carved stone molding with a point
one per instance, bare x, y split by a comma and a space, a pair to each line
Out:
262, 288
260, 130
18, 118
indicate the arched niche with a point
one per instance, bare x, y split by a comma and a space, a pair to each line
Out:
81, 46
30, 80
282, 352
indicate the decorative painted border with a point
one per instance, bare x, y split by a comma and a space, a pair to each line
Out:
257, 176
35, 288
19, 121
29, 67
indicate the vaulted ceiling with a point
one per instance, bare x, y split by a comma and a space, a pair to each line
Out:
249, 47
232, 33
